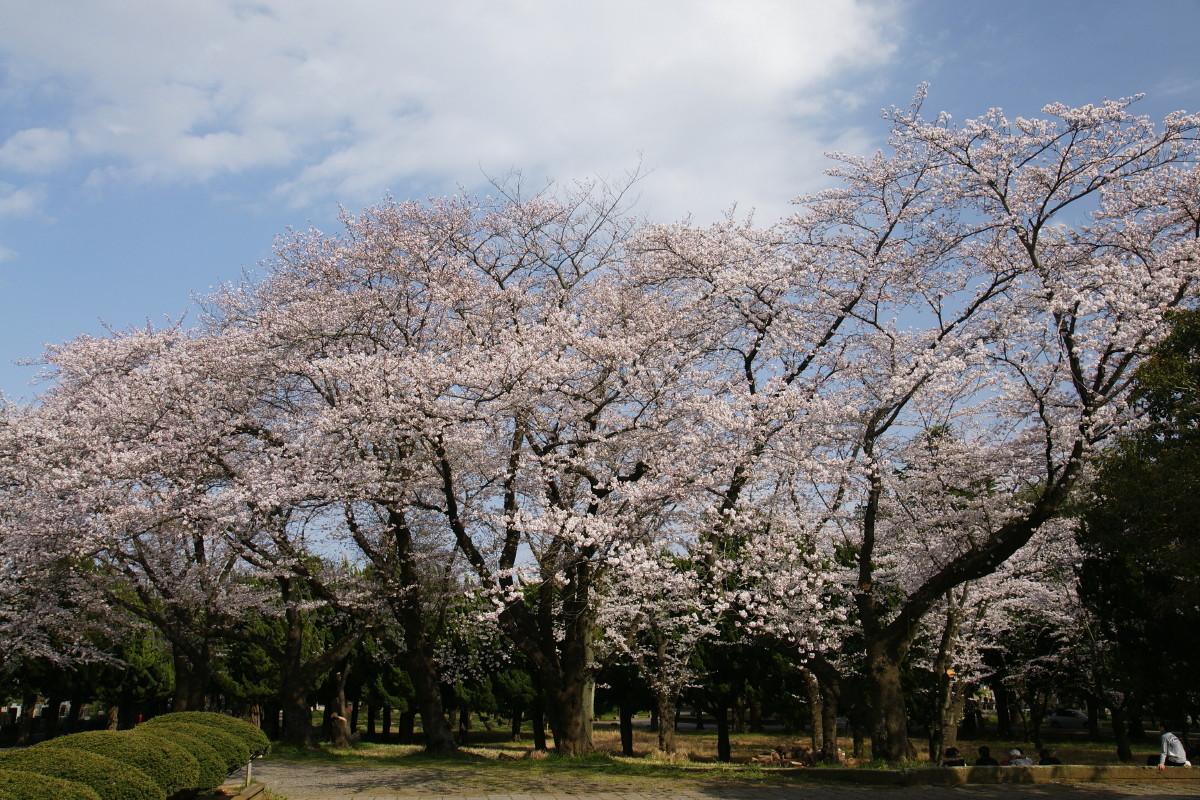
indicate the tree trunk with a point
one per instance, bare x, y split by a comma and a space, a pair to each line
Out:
666, 721
74, 714
297, 716
344, 735
1121, 734
50, 718
537, 721
889, 731
464, 722
572, 734
1003, 711
408, 723
516, 717
625, 712
958, 699
944, 676
25, 728
193, 669
418, 660
816, 710
1093, 723
387, 722
721, 712
439, 738
829, 731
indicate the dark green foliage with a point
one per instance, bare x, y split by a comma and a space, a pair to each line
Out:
110, 779
31, 786
233, 752
211, 765
254, 739
1141, 571
167, 764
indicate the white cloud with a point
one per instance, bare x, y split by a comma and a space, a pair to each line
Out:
17, 201
35, 150
725, 100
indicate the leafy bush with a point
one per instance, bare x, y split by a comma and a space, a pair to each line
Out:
252, 737
16, 785
212, 765
167, 764
110, 779
233, 753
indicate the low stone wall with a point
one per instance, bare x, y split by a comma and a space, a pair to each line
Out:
953, 776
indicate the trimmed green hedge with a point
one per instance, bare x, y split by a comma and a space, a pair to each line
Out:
167, 764
16, 785
110, 779
252, 737
233, 753
212, 765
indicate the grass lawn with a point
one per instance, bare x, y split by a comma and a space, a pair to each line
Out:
697, 751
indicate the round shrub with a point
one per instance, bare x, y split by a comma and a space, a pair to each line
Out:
233, 753
167, 764
252, 737
110, 779
212, 766
31, 786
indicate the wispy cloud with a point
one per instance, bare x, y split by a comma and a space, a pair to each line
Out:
727, 101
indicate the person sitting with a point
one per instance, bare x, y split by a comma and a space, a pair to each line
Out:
953, 759
1172, 753
1047, 758
985, 757
1017, 759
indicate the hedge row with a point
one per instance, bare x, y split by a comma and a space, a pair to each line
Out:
168, 755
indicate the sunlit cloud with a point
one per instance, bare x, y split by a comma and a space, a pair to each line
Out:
724, 102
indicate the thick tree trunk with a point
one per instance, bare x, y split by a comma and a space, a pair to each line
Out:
889, 731
193, 669
297, 716
439, 738
572, 733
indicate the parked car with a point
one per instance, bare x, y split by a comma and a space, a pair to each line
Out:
1067, 718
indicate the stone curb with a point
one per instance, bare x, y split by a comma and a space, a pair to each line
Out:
957, 776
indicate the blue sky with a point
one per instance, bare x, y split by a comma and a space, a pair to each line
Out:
151, 150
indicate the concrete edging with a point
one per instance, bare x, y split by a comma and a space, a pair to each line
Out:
955, 776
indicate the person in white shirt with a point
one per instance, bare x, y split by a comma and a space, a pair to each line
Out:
1017, 759
1173, 754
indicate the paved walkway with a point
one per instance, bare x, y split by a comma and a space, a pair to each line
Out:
331, 782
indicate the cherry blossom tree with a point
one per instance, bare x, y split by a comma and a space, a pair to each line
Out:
997, 280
